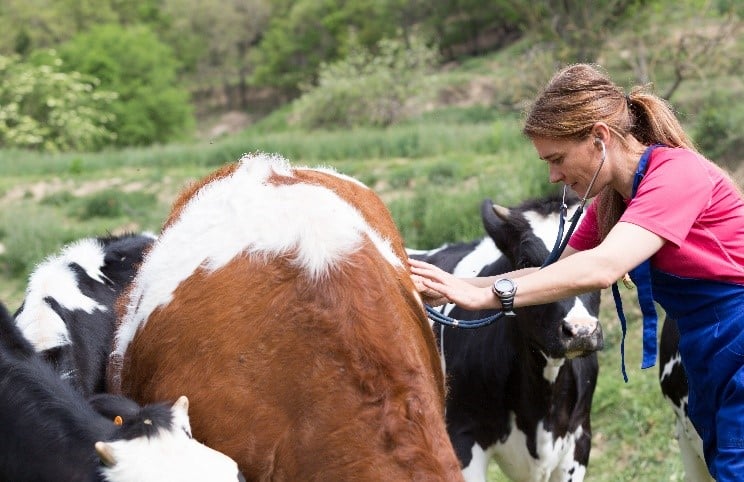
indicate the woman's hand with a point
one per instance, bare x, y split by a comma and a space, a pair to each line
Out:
436, 284
430, 297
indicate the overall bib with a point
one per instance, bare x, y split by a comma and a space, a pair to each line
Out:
710, 316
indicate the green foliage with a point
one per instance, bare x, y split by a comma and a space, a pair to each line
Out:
718, 132
577, 31
35, 233
44, 108
367, 88
308, 33
112, 204
473, 27
151, 107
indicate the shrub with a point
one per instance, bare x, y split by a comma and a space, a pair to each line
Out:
112, 204
44, 108
717, 131
372, 89
151, 107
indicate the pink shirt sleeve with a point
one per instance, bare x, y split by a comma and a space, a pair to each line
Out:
586, 235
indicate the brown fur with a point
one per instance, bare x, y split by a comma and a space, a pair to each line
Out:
301, 380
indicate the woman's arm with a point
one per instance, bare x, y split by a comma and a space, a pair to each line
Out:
626, 246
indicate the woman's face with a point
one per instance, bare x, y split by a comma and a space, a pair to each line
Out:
573, 163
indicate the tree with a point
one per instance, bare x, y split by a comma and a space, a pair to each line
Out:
576, 29
45, 108
214, 39
29, 25
132, 62
707, 47
316, 31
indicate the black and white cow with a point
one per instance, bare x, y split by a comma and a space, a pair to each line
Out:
48, 431
673, 381
68, 312
520, 389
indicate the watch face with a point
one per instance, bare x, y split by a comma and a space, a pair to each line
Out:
504, 285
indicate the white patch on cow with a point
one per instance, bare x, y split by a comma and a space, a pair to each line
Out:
555, 457
470, 265
546, 227
484, 254
477, 469
170, 455
669, 366
244, 214
579, 312
53, 278
552, 368
428, 252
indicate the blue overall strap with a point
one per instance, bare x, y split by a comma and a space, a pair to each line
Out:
623, 327
641, 276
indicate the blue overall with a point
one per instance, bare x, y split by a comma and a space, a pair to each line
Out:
710, 315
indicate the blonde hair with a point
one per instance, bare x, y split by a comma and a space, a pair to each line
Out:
581, 95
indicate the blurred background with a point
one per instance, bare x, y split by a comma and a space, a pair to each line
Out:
108, 108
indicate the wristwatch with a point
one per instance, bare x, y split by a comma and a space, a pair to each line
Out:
505, 289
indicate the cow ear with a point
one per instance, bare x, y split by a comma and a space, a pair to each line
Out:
105, 453
182, 403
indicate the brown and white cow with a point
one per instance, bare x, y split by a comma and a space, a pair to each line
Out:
278, 300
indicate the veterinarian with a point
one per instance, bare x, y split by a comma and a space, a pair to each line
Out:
664, 214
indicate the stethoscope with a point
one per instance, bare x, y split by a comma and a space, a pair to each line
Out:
560, 245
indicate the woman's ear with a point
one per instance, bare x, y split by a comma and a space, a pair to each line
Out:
601, 134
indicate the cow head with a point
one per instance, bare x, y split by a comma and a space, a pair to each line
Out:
155, 443
569, 327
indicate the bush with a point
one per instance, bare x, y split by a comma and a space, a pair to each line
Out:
131, 61
717, 131
44, 108
113, 204
367, 89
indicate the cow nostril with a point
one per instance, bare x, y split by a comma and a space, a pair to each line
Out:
568, 330
578, 328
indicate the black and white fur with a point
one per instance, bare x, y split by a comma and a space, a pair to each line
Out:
519, 390
48, 431
68, 313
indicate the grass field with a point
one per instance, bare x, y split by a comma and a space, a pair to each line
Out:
632, 427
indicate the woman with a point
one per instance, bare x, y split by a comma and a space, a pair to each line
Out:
671, 218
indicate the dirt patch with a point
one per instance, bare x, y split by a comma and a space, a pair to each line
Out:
476, 91
228, 123
41, 189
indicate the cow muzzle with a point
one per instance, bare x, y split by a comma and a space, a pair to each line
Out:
581, 336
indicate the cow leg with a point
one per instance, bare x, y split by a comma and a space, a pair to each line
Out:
477, 468
691, 450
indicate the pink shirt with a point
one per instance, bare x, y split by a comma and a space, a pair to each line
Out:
690, 202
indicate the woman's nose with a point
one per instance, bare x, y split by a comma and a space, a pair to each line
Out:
555, 175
